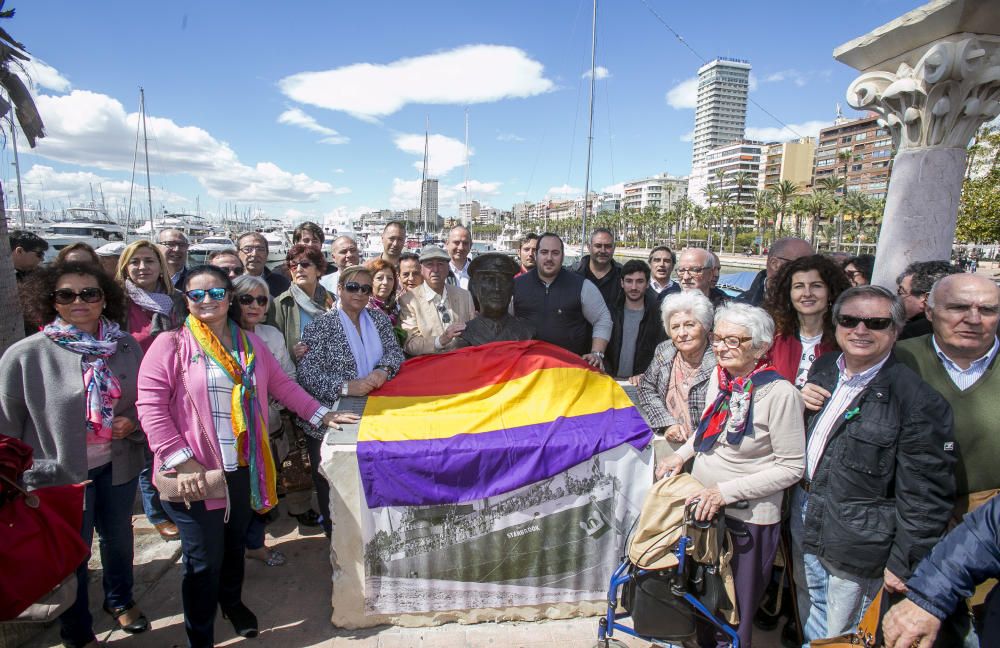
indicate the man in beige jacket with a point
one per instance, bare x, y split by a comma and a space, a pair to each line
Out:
434, 314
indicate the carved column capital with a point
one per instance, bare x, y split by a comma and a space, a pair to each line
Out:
942, 99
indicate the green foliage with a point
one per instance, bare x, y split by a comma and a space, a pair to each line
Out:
979, 209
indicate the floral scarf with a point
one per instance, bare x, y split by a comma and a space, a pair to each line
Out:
732, 410
390, 308
100, 384
249, 421
158, 302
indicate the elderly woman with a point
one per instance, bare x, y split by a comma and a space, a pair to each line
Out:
304, 301
203, 399
69, 392
352, 351
672, 391
801, 304
748, 447
250, 301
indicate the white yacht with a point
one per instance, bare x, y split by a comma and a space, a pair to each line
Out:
199, 252
89, 225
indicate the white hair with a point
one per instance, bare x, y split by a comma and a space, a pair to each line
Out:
245, 284
755, 320
687, 301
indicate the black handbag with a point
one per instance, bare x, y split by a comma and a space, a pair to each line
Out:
295, 471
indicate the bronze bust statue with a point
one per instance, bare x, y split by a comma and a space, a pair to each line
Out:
491, 281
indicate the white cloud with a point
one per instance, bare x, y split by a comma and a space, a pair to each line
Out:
338, 170
564, 191
688, 136
794, 131
443, 153
92, 129
684, 94
340, 191
509, 137
478, 189
40, 75
465, 75
793, 75
45, 183
614, 189
600, 72
406, 193
298, 117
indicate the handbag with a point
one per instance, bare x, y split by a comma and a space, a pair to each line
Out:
295, 471
868, 634
215, 480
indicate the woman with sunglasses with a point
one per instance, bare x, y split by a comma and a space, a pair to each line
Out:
352, 350
800, 303
69, 392
304, 301
250, 302
749, 447
203, 399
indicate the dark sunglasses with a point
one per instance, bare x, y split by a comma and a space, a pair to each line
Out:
65, 296
445, 315
198, 294
355, 287
246, 300
872, 323
300, 264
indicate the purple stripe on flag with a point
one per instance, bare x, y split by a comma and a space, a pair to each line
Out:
467, 467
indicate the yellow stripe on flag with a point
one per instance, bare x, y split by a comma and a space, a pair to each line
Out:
539, 397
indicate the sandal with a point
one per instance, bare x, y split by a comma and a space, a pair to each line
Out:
274, 557
140, 624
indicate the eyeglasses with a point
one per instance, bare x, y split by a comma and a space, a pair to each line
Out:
198, 294
65, 296
690, 271
355, 287
174, 245
250, 249
902, 293
445, 315
872, 323
246, 300
300, 264
731, 341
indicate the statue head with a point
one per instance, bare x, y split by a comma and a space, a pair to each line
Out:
491, 281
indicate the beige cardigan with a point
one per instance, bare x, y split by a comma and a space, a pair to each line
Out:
763, 465
422, 322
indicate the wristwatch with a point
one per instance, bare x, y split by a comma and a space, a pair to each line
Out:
599, 354
343, 389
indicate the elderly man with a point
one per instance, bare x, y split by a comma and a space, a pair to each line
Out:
637, 327
781, 252
228, 260
109, 253
600, 267
345, 254
696, 271
565, 308
661, 265
26, 250
879, 484
253, 250
434, 314
526, 252
174, 245
913, 285
459, 245
393, 242
409, 271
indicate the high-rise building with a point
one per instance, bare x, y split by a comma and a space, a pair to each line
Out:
792, 161
468, 212
869, 155
659, 191
724, 162
429, 202
720, 115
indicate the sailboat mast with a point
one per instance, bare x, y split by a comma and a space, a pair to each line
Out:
590, 133
467, 160
17, 169
145, 146
424, 208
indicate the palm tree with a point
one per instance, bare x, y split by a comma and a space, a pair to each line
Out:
831, 185
859, 206
799, 206
764, 208
816, 205
742, 179
784, 191
710, 195
12, 53
845, 157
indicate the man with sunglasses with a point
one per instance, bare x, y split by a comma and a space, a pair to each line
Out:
434, 314
26, 250
229, 261
879, 484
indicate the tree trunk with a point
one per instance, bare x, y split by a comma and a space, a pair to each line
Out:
11, 320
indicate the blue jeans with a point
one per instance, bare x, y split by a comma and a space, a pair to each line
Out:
108, 509
831, 601
150, 496
213, 557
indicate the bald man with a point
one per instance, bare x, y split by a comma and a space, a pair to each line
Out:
781, 252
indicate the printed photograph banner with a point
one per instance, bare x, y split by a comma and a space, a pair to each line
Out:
554, 540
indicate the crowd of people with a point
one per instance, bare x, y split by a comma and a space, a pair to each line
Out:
850, 421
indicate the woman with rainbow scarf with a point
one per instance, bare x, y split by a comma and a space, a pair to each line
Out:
203, 403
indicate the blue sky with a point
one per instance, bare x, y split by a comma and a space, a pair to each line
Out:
317, 109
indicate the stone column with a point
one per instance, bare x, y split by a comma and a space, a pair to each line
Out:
933, 77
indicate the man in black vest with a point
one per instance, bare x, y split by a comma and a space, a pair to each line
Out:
565, 308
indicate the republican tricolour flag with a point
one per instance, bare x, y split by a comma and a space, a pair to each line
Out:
485, 420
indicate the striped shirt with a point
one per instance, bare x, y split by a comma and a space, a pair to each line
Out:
848, 388
965, 378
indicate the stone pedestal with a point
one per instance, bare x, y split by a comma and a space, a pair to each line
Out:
933, 75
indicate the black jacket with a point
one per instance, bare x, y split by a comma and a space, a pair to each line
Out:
610, 284
884, 488
556, 310
915, 327
754, 295
651, 333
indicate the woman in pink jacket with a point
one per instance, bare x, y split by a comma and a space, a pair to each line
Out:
203, 398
